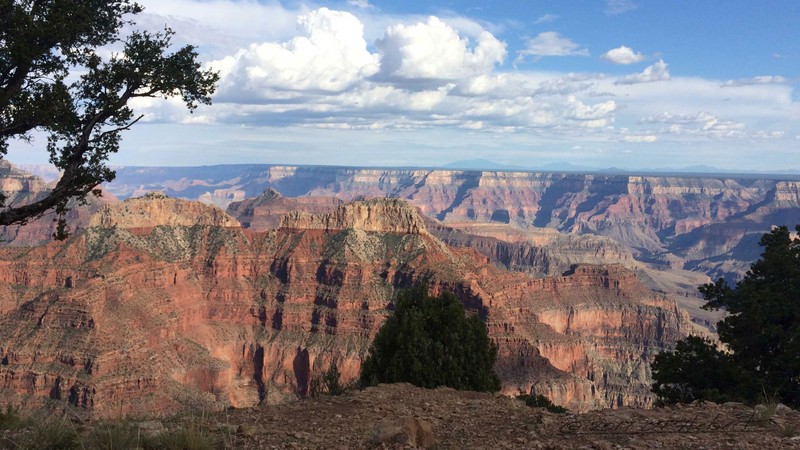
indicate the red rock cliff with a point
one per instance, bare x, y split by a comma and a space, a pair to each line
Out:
158, 318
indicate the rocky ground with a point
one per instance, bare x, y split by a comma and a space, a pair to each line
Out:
361, 419
402, 416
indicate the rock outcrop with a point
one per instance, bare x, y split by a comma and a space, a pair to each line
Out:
132, 320
536, 251
376, 215
265, 211
156, 209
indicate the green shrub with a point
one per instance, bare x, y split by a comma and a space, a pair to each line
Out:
540, 401
114, 435
327, 383
50, 434
10, 419
761, 329
429, 342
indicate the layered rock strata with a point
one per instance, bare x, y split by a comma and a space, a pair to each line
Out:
142, 319
265, 211
696, 222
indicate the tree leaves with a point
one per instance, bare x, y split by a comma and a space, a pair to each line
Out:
762, 331
430, 342
42, 42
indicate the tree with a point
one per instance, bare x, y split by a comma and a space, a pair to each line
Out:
54, 79
697, 370
429, 342
762, 331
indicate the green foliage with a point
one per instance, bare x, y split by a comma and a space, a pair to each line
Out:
762, 331
697, 370
54, 79
330, 380
10, 419
430, 342
540, 401
114, 435
327, 383
49, 434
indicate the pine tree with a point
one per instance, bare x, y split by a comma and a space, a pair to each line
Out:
761, 330
429, 342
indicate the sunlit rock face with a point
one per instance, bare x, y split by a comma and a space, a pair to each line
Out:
161, 317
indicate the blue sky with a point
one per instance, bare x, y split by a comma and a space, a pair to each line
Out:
600, 83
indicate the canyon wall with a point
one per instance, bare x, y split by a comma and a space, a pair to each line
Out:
158, 317
710, 224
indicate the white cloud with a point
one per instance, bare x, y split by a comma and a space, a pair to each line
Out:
623, 55
363, 4
594, 114
219, 27
764, 134
701, 123
665, 117
329, 55
546, 18
764, 79
656, 72
647, 138
433, 50
442, 77
616, 7
550, 43
567, 85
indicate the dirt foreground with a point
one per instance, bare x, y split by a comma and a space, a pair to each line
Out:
401, 416
470, 420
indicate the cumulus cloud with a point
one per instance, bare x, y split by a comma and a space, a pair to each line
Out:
433, 50
441, 75
616, 7
656, 72
329, 55
622, 55
590, 116
764, 79
550, 43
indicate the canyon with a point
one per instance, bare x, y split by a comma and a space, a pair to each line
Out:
703, 224
158, 304
165, 302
